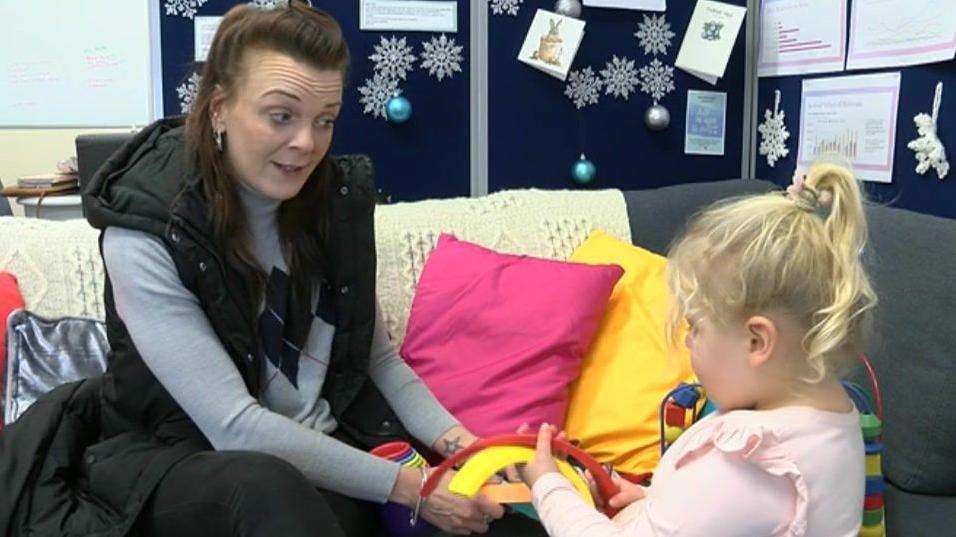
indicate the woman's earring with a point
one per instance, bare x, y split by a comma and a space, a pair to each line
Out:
217, 134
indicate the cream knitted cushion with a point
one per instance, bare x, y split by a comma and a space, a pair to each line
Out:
57, 265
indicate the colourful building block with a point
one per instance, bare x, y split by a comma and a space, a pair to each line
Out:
871, 425
871, 531
873, 517
873, 501
674, 415
874, 485
874, 465
671, 434
687, 398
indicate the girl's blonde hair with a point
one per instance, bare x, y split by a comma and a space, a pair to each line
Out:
797, 254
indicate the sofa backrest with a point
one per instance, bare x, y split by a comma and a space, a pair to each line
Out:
910, 257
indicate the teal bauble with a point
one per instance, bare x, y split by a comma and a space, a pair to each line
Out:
583, 171
398, 109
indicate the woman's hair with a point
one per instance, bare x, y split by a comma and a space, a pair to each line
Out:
797, 254
309, 36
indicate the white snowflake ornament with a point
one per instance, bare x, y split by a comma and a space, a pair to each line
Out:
186, 92
584, 87
186, 8
393, 58
654, 35
501, 7
268, 4
773, 133
442, 57
657, 80
376, 93
620, 77
929, 149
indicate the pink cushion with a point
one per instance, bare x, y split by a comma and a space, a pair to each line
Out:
498, 338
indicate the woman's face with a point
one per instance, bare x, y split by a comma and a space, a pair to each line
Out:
278, 123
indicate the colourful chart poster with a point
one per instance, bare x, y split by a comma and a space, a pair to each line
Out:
895, 33
852, 116
802, 36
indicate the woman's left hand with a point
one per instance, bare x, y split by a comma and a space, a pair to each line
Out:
543, 460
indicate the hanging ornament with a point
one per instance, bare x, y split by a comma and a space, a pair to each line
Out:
657, 80
568, 8
398, 109
657, 118
583, 171
929, 149
773, 133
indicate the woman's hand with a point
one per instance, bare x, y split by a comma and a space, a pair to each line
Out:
543, 460
456, 514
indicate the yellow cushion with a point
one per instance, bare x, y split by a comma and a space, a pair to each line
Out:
630, 366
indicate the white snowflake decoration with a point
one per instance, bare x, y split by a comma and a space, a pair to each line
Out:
186, 8
657, 80
511, 7
267, 4
376, 93
442, 57
584, 87
620, 77
186, 92
393, 58
929, 149
774, 133
654, 34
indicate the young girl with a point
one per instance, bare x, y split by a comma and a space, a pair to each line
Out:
777, 301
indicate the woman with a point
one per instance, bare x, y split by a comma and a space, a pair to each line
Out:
249, 356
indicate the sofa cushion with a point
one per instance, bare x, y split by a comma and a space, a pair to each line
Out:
630, 367
57, 263
45, 353
911, 258
498, 338
656, 216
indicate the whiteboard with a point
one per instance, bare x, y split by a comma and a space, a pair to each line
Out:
79, 63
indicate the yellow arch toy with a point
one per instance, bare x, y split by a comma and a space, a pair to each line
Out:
488, 456
486, 463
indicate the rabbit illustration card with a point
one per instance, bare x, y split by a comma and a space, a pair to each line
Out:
551, 43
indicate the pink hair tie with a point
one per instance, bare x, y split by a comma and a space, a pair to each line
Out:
805, 196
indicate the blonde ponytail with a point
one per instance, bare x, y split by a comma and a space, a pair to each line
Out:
799, 254
841, 323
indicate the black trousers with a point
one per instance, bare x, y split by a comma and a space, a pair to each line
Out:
246, 494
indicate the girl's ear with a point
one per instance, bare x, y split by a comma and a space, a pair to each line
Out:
763, 339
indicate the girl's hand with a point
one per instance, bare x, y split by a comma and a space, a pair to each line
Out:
543, 461
628, 493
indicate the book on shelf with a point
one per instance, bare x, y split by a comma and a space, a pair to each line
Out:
48, 180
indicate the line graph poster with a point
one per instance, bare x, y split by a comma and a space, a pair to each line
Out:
854, 116
892, 33
802, 36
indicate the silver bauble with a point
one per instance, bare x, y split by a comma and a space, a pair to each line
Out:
568, 8
657, 118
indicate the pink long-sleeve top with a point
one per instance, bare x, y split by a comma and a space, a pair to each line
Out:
794, 472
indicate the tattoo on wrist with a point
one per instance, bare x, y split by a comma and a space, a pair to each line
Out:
452, 446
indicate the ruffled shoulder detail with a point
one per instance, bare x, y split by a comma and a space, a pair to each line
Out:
755, 443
